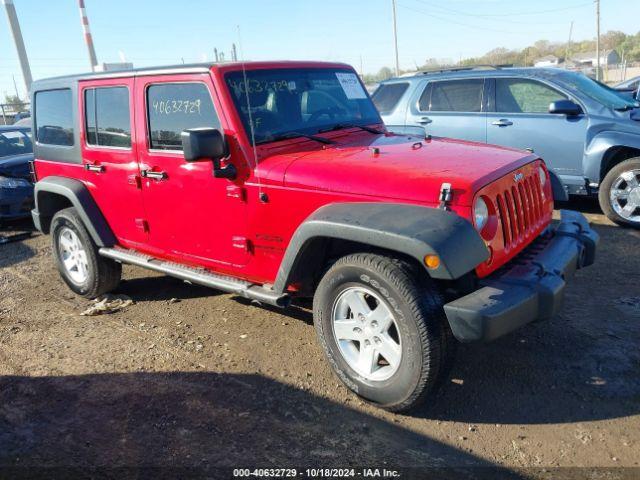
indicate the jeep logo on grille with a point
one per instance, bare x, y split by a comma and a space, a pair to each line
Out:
518, 177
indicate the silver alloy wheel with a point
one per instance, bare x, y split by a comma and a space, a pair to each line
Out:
366, 333
625, 195
73, 255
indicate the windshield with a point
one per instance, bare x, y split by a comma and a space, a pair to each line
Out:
14, 142
598, 92
303, 100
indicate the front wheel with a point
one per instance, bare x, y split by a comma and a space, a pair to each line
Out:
619, 194
381, 324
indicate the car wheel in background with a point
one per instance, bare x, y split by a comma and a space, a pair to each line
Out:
381, 324
620, 193
77, 259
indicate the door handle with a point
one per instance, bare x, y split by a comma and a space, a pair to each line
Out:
92, 167
153, 175
503, 122
425, 120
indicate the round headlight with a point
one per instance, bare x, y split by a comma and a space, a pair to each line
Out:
543, 176
480, 213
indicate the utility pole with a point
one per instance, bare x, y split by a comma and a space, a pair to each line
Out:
215, 54
395, 36
568, 51
598, 38
234, 53
87, 36
12, 16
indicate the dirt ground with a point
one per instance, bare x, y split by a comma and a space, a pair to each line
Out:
189, 377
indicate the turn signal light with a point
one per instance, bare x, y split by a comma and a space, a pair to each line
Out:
432, 261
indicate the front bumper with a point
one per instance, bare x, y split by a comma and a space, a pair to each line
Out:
16, 202
530, 287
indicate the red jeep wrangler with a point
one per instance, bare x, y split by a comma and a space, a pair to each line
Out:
277, 181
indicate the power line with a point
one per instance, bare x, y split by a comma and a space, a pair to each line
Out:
447, 20
520, 14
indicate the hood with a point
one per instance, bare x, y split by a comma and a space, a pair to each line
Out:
406, 168
16, 166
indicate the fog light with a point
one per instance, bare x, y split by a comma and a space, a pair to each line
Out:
432, 261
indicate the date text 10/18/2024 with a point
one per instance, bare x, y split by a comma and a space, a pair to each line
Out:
316, 473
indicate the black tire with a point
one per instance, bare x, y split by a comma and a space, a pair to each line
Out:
605, 189
103, 274
416, 305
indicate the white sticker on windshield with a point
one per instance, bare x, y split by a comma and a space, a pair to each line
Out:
351, 86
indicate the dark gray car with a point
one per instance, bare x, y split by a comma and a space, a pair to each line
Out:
16, 188
588, 133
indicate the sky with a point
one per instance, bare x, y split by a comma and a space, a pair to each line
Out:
358, 32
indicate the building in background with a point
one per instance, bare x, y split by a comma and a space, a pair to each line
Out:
548, 61
590, 59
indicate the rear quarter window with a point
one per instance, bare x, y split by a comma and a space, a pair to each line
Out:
387, 96
54, 117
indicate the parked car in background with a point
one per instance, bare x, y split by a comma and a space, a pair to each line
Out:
23, 122
16, 188
21, 116
278, 180
587, 133
631, 87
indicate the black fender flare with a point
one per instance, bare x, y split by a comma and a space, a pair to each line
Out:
79, 196
408, 229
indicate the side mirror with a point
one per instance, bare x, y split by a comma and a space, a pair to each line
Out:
207, 144
565, 107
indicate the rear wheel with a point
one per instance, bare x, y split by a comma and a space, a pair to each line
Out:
380, 322
83, 270
620, 193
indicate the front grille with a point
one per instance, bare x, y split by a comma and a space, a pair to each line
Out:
521, 210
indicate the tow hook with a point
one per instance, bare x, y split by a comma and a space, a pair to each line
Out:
445, 196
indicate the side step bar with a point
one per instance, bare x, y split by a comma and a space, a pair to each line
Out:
199, 276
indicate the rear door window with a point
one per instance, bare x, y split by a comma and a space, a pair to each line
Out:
515, 95
107, 117
453, 96
54, 117
174, 107
386, 96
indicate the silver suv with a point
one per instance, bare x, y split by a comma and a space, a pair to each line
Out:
588, 133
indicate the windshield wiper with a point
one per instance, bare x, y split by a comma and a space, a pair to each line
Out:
340, 126
286, 136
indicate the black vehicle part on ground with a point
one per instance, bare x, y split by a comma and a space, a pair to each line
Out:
55, 193
411, 230
16, 237
530, 287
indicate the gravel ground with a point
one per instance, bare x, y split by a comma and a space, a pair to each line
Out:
189, 377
